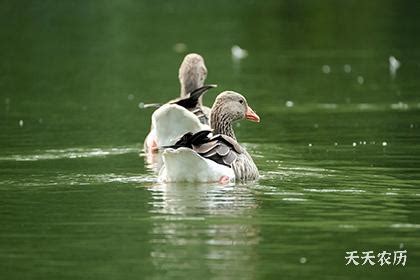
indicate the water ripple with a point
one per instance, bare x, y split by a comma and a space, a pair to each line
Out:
71, 153
77, 179
334, 190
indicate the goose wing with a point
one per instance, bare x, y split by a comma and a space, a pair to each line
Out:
221, 149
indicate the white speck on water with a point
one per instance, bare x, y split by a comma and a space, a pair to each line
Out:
180, 48
302, 260
364, 142
238, 53
384, 144
335, 144
326, 69
130, 97
289, 103
20, 123
360, 80
411, 125
347, 68
354, 144
310, 145
394, 64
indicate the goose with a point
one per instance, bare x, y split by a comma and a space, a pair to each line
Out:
192, 74
212, 155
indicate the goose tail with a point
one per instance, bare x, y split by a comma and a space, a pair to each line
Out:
171, 121
185, 165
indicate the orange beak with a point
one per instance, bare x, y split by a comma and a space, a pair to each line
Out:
251, 115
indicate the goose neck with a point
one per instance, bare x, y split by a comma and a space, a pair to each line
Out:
222, 124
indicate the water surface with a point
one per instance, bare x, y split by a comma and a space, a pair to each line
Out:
338, 145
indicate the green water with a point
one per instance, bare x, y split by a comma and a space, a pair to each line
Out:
340, 162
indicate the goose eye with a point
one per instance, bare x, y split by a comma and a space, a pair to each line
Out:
241, 101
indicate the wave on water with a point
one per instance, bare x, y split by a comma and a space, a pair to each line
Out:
349, 107
78, 180
70, 153
335, 190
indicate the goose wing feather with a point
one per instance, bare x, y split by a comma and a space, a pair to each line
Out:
219, 149
229, 141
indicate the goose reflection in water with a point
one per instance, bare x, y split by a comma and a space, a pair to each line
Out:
196, 227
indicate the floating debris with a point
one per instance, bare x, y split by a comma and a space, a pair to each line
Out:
310, 145
302, 260
238, 53
335, 144
394, 64
180, 48
20, 123
384, 144
360, 80
354, 144
149, 105
326, 69
289, 103
347, 68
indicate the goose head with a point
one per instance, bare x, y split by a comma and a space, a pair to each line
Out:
192, 73
229, 107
